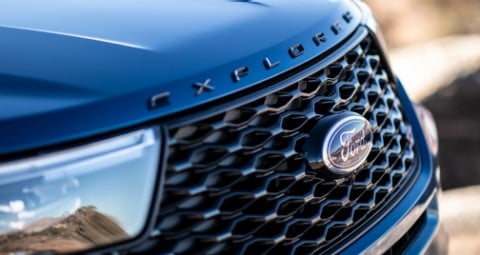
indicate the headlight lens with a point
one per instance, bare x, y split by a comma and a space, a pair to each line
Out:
81, 198
429, 128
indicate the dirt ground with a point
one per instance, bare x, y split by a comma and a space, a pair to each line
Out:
457, 112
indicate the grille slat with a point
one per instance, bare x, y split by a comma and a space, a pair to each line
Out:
238, 182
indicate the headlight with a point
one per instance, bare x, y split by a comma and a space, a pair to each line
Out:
80, 198
429, 128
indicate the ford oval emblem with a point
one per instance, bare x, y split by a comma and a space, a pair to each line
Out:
340, 142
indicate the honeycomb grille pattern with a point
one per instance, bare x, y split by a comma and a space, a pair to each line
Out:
238, 182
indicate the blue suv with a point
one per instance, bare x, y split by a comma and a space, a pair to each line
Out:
209, 127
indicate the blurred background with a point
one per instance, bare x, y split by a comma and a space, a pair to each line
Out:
434, 47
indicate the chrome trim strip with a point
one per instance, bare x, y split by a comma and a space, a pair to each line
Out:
392, 236
428, 232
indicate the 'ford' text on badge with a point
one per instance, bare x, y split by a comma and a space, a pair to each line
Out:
340, 142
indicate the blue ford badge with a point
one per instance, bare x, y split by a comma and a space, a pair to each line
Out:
339, 142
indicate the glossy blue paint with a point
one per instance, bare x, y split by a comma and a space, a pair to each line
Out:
74, 69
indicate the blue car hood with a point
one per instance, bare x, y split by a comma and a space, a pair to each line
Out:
73, 69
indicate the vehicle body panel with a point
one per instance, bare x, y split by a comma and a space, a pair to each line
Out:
61, 64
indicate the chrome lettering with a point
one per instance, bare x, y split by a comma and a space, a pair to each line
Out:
203, 86
319, 38
269, 65
296, 50
238, 73
336, 28
351, 147
159, 100
347, 17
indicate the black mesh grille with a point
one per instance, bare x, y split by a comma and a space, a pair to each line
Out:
237, 182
